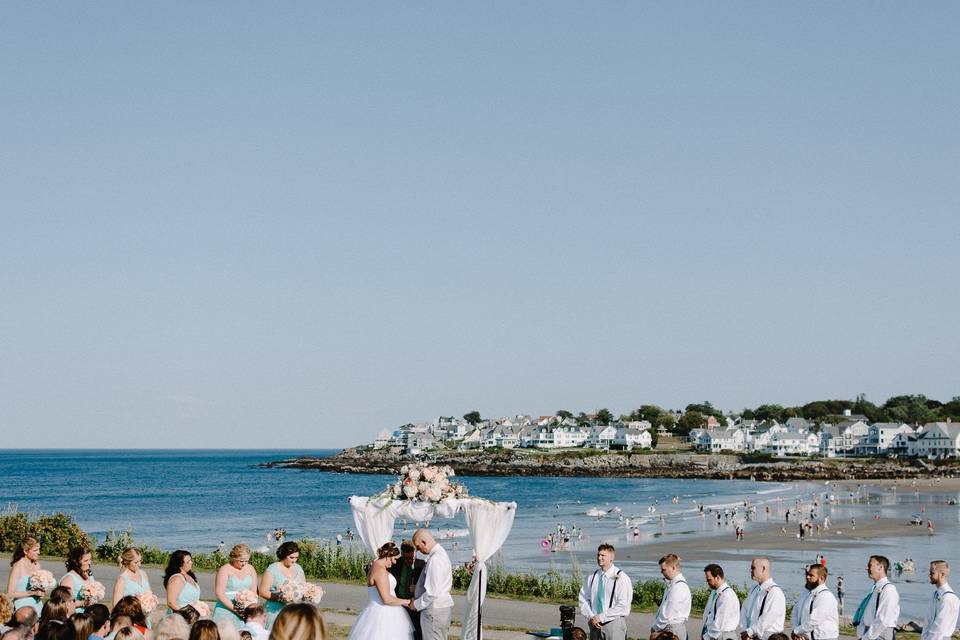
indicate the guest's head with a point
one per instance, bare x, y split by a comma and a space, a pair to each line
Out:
713, 574
779, 636
388, 552
26, 617
669, 566
408, 552
298, 622
227, 630
79, 560
877, 567
119, 622
6, 608
663, 635
246, 635
130, 559
240, 556
189, 614
760, 569
577, 633
204, 630
939, 570
128, 633
180, 562
100, 616
288, 553
82, 624
605, 556
56, 630
172, 627
16, 633
28, 548
816, 575
59, 607
255, 613
423, 541
130, 606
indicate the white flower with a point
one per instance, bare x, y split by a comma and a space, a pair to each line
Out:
433, 494
410, 491
414, 473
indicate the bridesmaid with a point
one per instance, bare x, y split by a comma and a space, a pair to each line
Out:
232, 578
26, 560
132, 580
180, 581
276, 575
79, 562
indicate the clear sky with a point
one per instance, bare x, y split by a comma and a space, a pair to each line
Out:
293, 224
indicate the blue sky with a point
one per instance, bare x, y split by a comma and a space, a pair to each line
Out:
232, 224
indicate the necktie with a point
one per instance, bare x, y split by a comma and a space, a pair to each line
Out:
600, 595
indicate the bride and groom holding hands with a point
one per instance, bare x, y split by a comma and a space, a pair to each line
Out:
407, 598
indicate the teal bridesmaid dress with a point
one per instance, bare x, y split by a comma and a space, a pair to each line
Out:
234, 586
29, 601
78, 583
188, 595
273, 607
133, 588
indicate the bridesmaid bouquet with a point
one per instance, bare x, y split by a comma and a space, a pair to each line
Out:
426, 483
244, 599
290, 592
41, 579
93, 591
201, 608
312, 593
148, 601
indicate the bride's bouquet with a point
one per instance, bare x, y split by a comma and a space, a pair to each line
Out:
148, 601
93, 591
420, 481
41, 579
245, 598
312, 593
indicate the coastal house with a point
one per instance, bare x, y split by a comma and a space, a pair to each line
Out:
759, 438
639, 424
564, 436
905, 443
473, 439
601, 437
880, 436
717, 440
842, 439
418, 442
542, 437
797, 424
793, 443
629, 439
383, 439
939, 440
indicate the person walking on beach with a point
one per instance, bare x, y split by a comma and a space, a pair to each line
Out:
877, 615
816, 616
675, 605
605, 598
840, 593
765, 608
945, 606
722, 613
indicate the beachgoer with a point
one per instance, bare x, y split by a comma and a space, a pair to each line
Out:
840, 593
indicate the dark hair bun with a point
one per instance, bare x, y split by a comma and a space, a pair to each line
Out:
388, 550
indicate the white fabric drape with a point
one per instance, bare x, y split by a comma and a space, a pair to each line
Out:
489, 524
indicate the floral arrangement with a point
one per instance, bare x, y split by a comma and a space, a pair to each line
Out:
93, 591
420, 481
148, 601
290, 592
245, 598
41, 579
201, 608
312, 593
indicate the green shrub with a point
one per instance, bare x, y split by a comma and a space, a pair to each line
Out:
57, 533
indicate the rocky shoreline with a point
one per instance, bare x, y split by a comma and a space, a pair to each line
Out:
627, 465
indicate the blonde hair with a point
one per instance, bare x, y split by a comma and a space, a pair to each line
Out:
239, 550
671, 560
129, 555
129, 633
172, 627
6, 608
299, 622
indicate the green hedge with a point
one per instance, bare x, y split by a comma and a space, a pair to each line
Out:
57, 533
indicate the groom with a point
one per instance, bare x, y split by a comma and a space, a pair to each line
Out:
432, 594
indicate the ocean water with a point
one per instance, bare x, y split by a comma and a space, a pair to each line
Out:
195, 499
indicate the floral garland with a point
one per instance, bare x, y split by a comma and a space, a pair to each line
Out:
419, 481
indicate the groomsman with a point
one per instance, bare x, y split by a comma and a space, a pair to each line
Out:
816, 616
722, 613
945, 606
605, 598
764, 610
675, 605
877, 615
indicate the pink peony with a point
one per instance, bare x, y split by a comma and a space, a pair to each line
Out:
245, 598
93, 591
201, 608
148, 601
312, 593
41, 579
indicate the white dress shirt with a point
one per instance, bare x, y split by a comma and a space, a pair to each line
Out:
882, 611
722, 613
764, 610
817, 616
675, 605
617, 594
256, 630
435, 582
942, 618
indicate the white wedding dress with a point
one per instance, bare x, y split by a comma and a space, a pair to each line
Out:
380, 621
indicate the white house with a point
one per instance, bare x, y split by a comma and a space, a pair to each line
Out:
564, 436
601, 437
717, 440
879, 438
473, 439
842, 439
905, 443
629, 439
797, 443
939, 440
383, 439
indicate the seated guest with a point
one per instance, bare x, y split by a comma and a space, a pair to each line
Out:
6, 612
59, 607
298, 622
100, 617
82, 625
116, 624
129, 606
27, 619
256, 622
129, 633
189, 614
204, 630
56, 630
172, 627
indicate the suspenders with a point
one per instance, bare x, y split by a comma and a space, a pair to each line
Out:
613, 590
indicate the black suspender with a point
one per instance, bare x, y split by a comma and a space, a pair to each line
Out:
716, 600
876, 608
613, 590
764, 602
814, 597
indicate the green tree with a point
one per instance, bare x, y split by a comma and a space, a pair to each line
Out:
582, 419
473, 417
667, 420
563, 414
951, 410
689, 421
654, 437
705, 409
604, 417
769, 412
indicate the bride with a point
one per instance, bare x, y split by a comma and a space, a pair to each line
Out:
384, 616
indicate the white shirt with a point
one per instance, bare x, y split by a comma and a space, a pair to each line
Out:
435, 582
675, 605
882, 611
817, 615
942, 618
617, 594
256, 630
722, 613
764, 610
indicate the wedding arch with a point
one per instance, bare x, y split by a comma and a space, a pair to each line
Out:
424, 493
